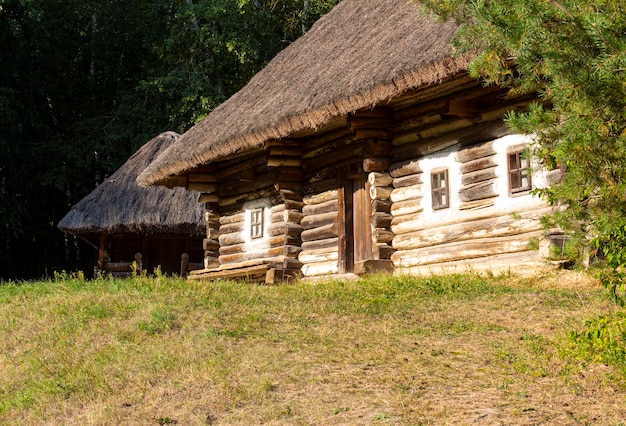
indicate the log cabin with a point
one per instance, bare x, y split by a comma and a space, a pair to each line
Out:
127, 223
364, 145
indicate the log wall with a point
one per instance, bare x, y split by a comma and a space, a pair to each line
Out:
483, 222
320, 247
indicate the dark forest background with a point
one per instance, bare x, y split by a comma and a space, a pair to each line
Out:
85, 83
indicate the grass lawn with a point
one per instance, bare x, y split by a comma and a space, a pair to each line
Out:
455, 350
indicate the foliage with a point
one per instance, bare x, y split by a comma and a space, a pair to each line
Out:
603, 340
573, 54
86, 83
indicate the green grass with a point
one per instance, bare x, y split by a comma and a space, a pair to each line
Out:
382, 350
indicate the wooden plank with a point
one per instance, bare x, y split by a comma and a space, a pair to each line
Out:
321, 233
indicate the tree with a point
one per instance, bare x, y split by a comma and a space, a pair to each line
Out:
86, 83
573, 54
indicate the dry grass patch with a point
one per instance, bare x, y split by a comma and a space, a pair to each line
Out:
448, 350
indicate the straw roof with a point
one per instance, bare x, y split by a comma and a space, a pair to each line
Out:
119, 205
362, 53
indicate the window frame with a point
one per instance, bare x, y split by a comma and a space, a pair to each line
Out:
519, 172
438, 192
257, 222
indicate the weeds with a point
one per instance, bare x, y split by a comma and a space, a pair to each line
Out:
401, 350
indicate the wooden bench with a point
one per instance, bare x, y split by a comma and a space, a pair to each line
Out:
119, 269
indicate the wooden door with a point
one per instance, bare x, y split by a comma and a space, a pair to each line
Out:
355, 215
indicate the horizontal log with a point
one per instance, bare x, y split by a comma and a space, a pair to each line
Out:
379, 122
501, 226
380, 192
231, 227
289, 174
195, 177
403, 224
232, 249
479, 164
467, 136
277, 208
478, 176
321, 197
412, 192
291, 194
384, 251
376, 164
402, 208
325, 207
500, 263
208, 198
408, 180
285, 151
232, 218
377, 146
212, 233
318, 220
320, 244
236, 202
375, 134
293, 204
287, 251
317, 187
344, 152
445, 127
405, 168
530, 211
318, 255
202, 187
286, 229
321, 233
208, 244
292, 216
381, 219
379, 179
475, 152
463, 250
237, 185
284, 162
478, 191
284, 240
478, 204
320, 268
289, 185
381, 206
231, 239
382, 235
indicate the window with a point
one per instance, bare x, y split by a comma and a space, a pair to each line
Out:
256, 223
440, 189
519, 171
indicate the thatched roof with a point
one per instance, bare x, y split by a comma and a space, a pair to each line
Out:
362, 53
119, 205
